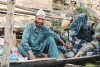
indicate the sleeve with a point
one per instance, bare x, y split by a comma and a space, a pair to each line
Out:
25, 38
51, 33
56, 37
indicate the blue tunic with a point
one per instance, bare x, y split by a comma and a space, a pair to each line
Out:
37, 40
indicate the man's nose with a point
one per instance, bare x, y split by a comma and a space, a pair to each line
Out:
40, 21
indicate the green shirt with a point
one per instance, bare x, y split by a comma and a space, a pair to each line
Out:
35, 39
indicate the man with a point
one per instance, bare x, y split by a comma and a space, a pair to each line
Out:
93, 45
37, 39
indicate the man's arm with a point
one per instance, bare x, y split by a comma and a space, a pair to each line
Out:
54, 35
24, 41
62, 42
57, 37
79, 53
31, 54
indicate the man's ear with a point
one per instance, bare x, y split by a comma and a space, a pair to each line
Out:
35, 17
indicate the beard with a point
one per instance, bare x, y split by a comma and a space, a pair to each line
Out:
39, 24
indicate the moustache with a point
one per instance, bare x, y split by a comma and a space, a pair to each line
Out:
40, 24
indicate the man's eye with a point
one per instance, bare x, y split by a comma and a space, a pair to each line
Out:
42, 19
39, 18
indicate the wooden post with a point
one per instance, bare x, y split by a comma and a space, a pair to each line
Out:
8, 33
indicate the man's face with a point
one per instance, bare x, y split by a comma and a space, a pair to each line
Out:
40, 19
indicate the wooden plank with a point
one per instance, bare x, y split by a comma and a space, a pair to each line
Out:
38, 59
28, 9
29, 13
56, 63
20, 12
48, 59
8, 33
82, 57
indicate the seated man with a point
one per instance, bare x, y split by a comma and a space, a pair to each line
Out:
93, 45
37, 39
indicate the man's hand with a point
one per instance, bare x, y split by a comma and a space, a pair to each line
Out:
61, 41
31, 55
68, 44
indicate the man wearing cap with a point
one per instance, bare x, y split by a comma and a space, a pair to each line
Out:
37, 39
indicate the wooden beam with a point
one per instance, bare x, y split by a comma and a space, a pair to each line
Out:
32, 11
19, 12
35, 60
28, 9
8, 33
29, 13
